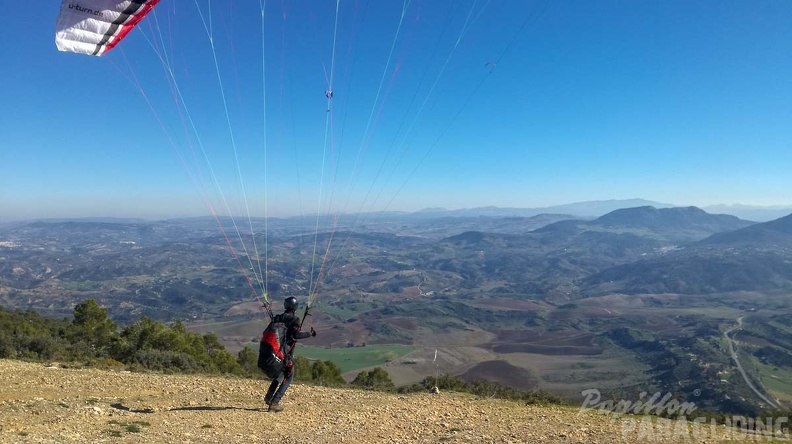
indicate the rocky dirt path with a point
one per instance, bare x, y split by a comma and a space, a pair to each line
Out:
40, 404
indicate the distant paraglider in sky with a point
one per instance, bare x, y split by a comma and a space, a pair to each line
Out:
95, 26
329, 95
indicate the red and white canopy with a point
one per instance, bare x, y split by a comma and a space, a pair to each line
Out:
96, 26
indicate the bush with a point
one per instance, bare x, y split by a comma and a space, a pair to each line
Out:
205, 351
484, 389
375, 379
326, 373
35, 346
26, 335
303, 371
7, 349
167, 361
443, 382
248, 363
220, 359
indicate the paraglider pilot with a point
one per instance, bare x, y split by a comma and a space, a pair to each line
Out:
281, 383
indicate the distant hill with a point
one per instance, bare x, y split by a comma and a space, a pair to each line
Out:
675, 225
695, 272
468, 238
671, 218
751, 212
588, 209
597, 208
773, 234
536, 262
441, 226
594, 252
753, 258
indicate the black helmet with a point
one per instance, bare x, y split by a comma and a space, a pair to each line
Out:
290, 304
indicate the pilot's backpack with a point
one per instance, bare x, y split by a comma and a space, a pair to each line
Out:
273, 350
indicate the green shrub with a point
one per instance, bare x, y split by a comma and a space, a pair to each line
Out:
326, 373
7, 349
166, 361
221, 360
484, 389
247, 359
375, 379
35, 346
303, 371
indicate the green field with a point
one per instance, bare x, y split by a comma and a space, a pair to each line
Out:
777, 380
356, 358
341, 313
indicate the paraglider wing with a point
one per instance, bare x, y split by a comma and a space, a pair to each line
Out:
95, 26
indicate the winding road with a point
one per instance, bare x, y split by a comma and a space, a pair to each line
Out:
732, 345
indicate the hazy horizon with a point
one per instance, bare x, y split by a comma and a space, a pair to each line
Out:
153, 216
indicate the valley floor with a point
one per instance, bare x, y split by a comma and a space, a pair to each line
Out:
51, 404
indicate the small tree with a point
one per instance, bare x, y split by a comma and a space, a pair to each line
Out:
326, 373
361, 380
446, 382
7, 349
93, 327
302, 369
144, 334
375, 379
219, 357
248, 362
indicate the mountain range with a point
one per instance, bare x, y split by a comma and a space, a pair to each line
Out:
597, 208
633, 251
757, 257
642, 249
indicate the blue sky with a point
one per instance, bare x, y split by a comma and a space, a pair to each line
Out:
473, 103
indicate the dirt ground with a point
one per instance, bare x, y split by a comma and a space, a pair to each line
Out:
50, 404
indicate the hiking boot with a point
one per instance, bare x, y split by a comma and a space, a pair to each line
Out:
275, 408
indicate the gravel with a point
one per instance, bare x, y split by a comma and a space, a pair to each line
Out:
51, 404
